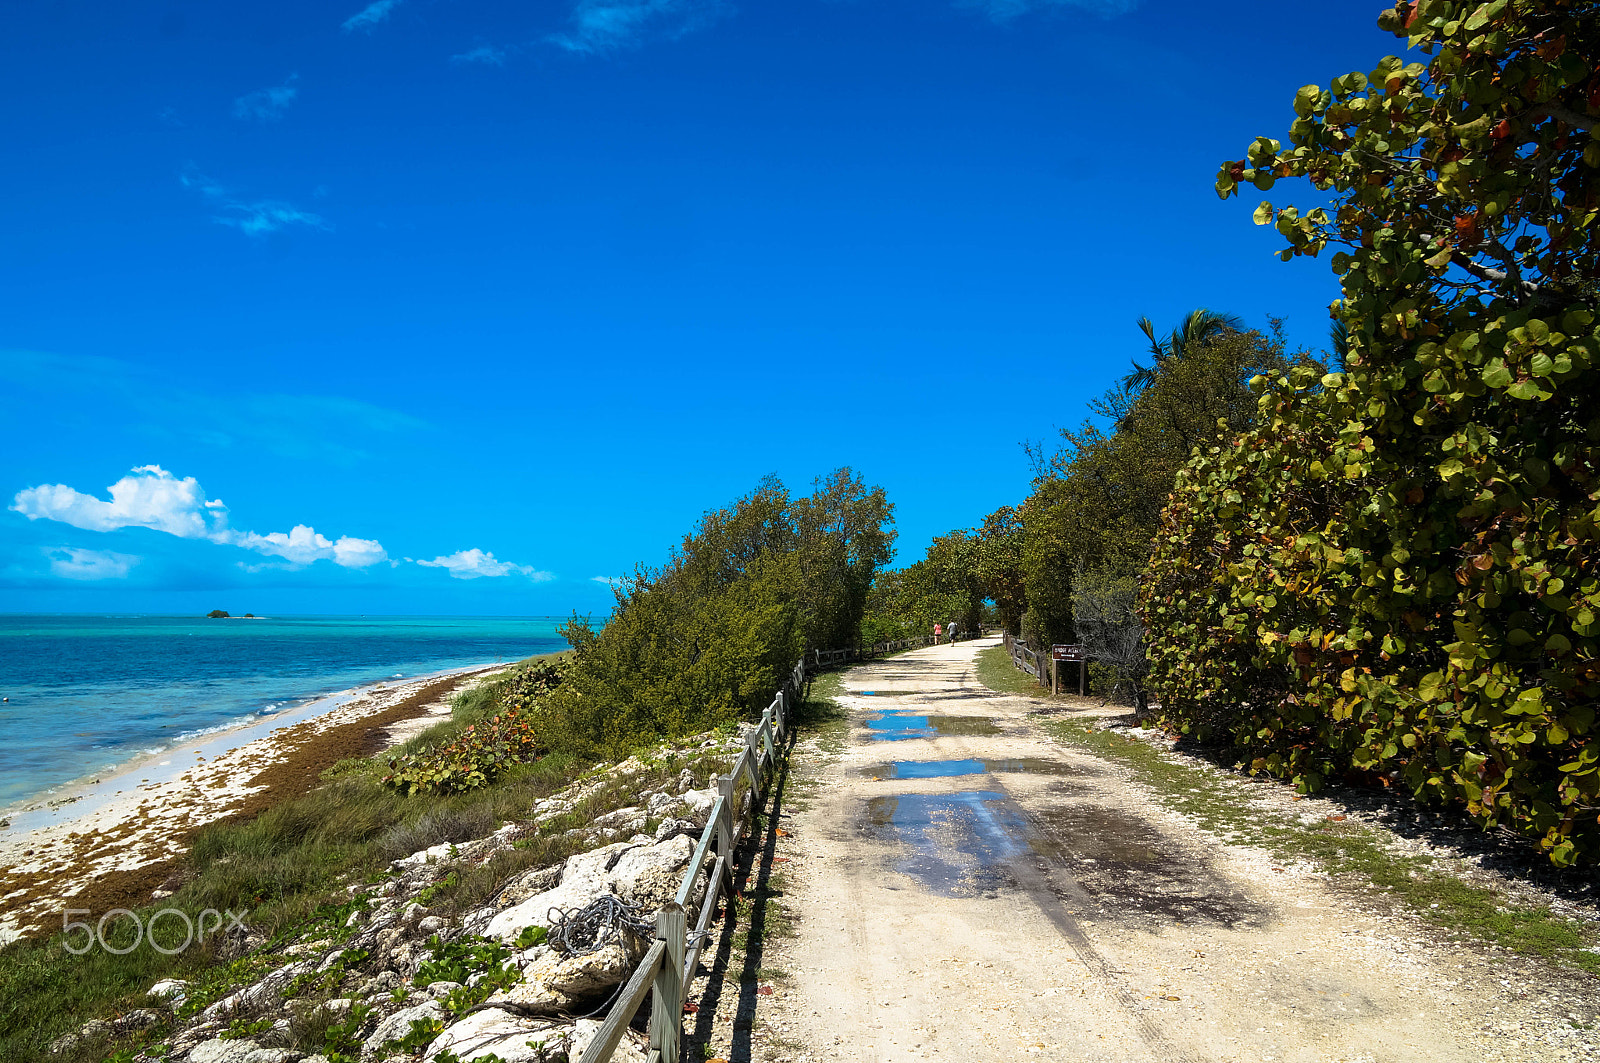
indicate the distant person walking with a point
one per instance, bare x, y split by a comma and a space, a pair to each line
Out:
937, 633
952, 630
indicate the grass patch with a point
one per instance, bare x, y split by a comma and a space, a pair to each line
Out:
997, 672
821, 713
1352, 852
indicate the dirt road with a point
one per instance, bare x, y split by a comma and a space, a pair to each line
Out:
965, 888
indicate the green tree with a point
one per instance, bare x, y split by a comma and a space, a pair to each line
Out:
845, 534
999, 567
709, 636
1097, 502
1395, 571
1199, 328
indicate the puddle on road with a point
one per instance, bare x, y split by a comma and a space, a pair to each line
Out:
942, 769
960, 844
965, 844
899, 726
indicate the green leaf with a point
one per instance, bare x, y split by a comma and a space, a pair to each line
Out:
1528, 390
1263, 214
1496, 375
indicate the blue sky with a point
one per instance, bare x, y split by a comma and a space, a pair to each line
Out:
453, 306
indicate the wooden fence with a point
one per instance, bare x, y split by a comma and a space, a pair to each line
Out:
824, 658
668, 967
1028, 659
1041, 665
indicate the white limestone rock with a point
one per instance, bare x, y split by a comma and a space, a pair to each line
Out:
631, 1049
500, 1033
173, 989
555, 982
220, 1051
398, 1025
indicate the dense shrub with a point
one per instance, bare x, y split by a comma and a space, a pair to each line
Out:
502, 735
710, 636
1395, 570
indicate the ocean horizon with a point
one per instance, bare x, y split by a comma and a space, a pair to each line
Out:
89, 692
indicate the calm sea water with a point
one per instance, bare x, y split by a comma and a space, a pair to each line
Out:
89, 692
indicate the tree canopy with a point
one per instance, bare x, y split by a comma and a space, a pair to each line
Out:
1393, 572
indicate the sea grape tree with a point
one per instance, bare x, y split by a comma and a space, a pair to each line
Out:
1395, 570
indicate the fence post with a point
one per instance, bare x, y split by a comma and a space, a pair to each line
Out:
725, 820
766, 734
666, 996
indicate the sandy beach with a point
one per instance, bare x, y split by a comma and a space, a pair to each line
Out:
112, 841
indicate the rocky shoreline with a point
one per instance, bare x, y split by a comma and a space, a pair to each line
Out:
393, 974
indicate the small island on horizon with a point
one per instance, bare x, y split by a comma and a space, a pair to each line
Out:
223, 614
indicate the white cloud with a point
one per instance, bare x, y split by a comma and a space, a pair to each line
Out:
267, 216
470, 564
151, 497
268, 104
611, 581
484, 53
72, 563
370, 16
257, 218
302, 545
350, 552
607, 25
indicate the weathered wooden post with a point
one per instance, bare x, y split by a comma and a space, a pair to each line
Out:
766, 734
666, 996
725, 817
1083, 675
1055, 684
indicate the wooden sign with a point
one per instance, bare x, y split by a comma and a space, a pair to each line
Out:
1066, 653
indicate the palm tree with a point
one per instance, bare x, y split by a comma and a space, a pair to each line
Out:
1198, 328
1339, 336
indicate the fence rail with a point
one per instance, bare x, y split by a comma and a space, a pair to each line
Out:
824, 658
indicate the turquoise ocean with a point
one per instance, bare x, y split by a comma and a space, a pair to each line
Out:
86, 693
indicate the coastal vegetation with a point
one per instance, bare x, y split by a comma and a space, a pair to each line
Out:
707, 637
490, 731
1391, 570
692, 646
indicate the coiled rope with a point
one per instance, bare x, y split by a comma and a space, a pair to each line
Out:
579, 931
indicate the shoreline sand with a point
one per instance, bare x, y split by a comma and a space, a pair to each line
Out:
112, 841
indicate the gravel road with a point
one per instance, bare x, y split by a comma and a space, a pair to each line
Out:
965, 888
